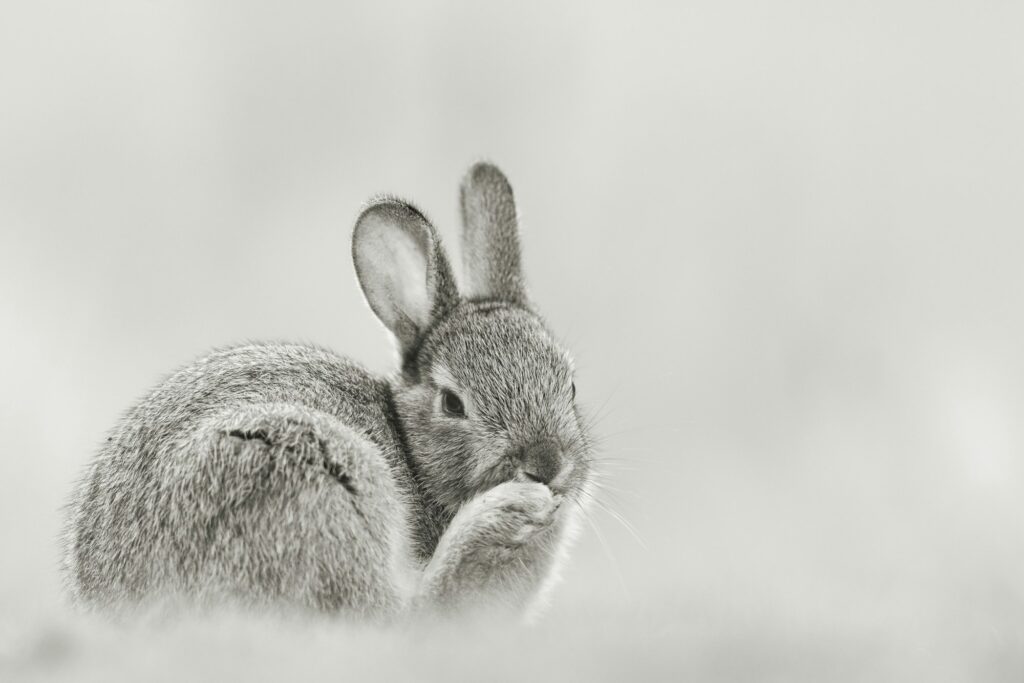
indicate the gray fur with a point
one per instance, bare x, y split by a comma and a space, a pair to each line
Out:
279, 474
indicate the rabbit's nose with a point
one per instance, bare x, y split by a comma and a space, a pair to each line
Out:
542, 461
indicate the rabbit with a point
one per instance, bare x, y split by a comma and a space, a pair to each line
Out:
284, 474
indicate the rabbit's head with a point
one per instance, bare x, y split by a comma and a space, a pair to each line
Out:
485, 393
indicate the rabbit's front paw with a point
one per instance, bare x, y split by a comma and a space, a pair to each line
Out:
513, 513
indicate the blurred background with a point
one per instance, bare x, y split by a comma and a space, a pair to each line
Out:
784, 241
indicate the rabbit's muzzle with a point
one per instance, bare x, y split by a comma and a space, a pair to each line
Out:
543, 461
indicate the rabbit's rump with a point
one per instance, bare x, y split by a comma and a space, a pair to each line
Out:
265, 503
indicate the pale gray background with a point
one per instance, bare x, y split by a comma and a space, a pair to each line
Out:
784, 240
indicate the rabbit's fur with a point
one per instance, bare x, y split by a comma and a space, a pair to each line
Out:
278, 474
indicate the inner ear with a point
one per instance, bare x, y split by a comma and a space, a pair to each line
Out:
402, 269
397, 271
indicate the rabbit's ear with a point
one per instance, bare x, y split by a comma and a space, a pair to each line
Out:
490, 236
402, 269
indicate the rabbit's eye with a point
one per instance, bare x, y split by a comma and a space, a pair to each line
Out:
574, 391
452, 404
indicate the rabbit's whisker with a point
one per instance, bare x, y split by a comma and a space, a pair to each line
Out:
605, 547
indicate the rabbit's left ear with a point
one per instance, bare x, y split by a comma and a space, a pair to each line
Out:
490, 236
402, 269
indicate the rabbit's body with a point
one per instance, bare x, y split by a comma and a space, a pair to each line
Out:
286, 474
307, 432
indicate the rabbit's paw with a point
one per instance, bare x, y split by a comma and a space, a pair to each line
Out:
513, 513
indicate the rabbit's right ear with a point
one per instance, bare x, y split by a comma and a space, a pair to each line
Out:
402, 269
490, 236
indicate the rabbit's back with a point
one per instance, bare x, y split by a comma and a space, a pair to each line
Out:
179, 481
297, 374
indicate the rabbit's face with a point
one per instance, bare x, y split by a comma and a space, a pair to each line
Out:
489, 398
486, 394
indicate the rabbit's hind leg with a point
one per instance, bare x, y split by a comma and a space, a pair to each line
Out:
282, 504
